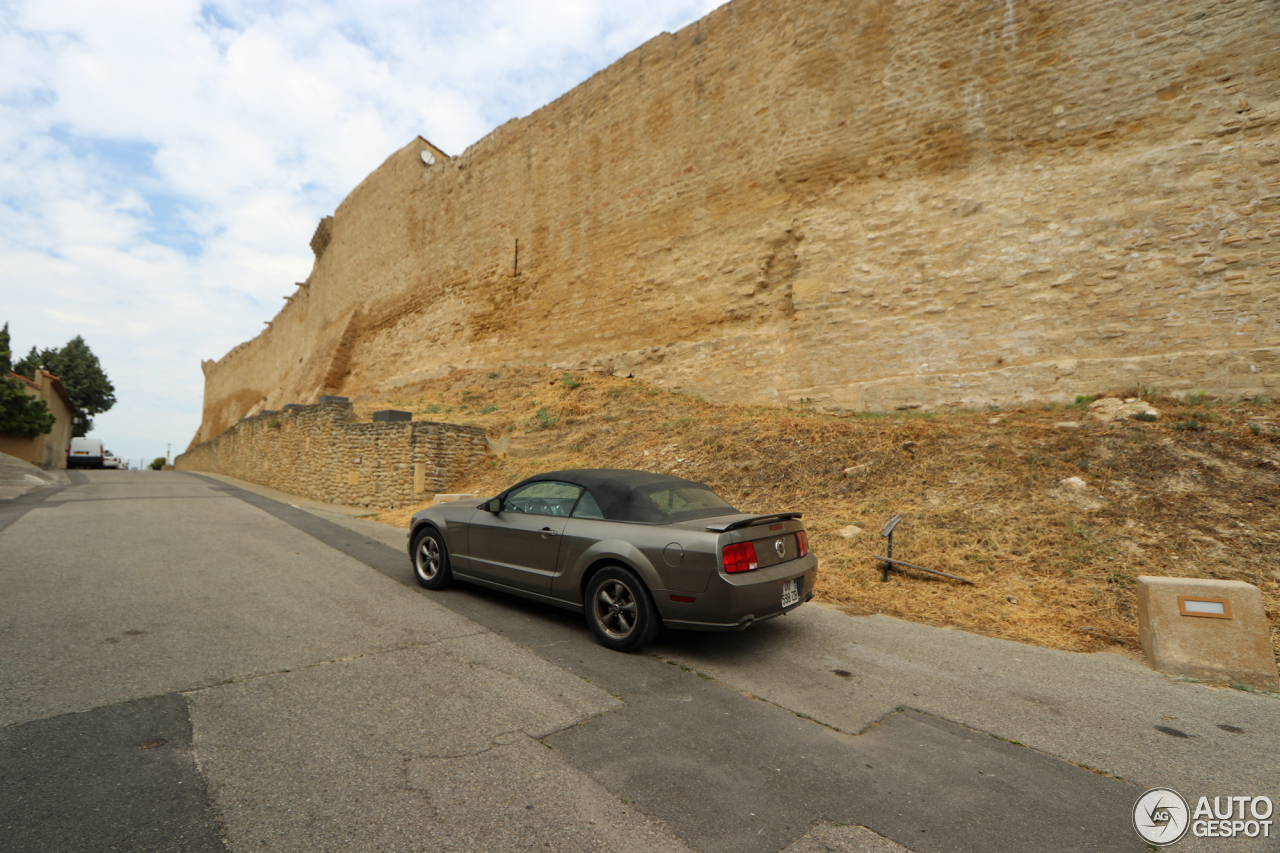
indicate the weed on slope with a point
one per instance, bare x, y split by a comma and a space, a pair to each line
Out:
1051, 512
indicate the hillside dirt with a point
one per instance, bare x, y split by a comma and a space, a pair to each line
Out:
1051, 512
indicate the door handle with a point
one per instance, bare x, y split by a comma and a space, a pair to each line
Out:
547, 531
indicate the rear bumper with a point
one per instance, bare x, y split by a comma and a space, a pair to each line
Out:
734, 602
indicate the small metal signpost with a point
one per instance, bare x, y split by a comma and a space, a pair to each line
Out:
888, 534
888, 562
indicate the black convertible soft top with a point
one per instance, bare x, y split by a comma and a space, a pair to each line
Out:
625, 495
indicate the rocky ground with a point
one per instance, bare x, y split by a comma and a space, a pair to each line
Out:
1052, 512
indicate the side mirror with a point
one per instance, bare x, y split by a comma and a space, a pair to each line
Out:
494, 506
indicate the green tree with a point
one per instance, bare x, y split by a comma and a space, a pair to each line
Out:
6, 355
27, 364
19, 414
158, 463
82, 376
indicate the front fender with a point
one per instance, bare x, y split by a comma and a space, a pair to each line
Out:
452, 525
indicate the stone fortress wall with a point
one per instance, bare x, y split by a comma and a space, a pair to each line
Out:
318, 452
861, 203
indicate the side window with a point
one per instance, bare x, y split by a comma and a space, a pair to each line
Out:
587, 507
547, 498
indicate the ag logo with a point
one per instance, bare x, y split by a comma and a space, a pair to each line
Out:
1161, 816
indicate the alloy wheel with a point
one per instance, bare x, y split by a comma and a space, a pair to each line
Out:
615, 607
429, 557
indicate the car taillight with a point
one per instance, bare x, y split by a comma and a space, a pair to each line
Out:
740, 557
802, 542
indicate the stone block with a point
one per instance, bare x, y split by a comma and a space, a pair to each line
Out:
1214, 630
444, 499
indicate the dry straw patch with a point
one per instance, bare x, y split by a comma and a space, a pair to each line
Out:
1191, 494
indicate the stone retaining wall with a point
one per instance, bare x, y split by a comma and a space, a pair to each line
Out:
317, 452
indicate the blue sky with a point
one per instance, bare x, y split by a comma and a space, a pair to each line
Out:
163, 164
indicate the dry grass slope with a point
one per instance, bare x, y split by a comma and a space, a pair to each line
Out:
1193, 493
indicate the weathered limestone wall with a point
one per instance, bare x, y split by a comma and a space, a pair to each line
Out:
316, 451
868, 204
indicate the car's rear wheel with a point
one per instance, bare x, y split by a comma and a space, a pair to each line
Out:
431, 560
620, 610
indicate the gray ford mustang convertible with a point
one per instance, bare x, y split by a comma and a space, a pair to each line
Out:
632, 550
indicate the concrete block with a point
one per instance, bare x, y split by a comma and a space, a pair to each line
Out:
392, 415
444, 499
330, 398
1208, 629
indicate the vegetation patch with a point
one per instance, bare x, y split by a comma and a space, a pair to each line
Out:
990, 499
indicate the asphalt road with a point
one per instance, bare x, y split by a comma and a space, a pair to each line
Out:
190, 665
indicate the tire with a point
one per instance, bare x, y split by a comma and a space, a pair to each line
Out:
620, 610
431, 560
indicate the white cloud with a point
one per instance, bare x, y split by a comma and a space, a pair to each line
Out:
163, 164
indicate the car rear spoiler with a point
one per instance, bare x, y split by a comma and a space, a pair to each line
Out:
749, 520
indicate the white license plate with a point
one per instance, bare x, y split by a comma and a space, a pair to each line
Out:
790, 592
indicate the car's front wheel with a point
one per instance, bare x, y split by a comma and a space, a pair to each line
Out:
620, 610
431, 559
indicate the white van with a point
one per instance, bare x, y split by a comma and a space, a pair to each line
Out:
85, 453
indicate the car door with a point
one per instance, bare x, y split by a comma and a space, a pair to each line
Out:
519, 545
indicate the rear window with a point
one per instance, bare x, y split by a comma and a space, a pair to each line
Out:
684, 502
